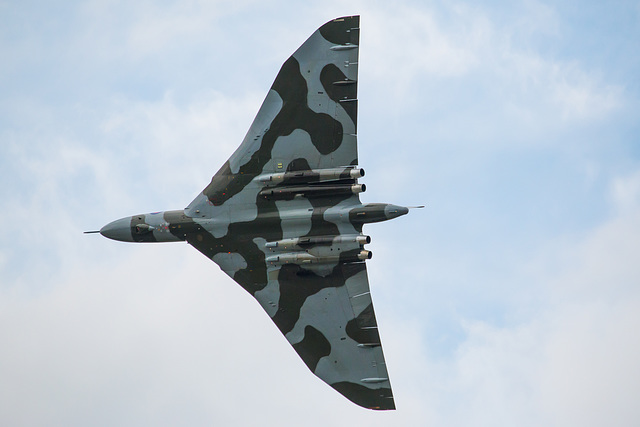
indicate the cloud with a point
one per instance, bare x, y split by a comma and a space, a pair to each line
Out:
192, 138
626, 192
430, 56
574, 364
567, 354
147, 28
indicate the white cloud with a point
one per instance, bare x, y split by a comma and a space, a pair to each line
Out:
626, 192
575, 364
571, 359
191, 139
495, 63
590, 375
414, 43
148, 28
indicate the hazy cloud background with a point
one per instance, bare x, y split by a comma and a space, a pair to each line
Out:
512, 299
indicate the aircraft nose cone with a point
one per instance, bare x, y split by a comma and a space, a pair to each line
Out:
394, 211
118, 230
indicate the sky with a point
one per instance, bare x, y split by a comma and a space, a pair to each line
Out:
513, 298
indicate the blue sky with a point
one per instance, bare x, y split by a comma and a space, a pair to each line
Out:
512, 299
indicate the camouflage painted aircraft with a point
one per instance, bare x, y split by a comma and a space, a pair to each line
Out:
282, 217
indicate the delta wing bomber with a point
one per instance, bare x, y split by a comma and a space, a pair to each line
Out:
283, 218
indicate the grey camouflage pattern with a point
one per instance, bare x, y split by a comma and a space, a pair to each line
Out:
282, 217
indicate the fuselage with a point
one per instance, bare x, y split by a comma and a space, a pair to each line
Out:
176, 225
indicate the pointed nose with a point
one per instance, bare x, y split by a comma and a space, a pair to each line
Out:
394, 211
118, 230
